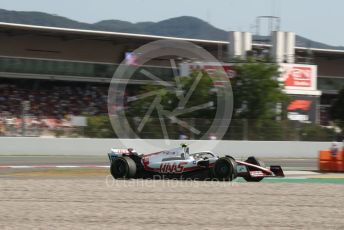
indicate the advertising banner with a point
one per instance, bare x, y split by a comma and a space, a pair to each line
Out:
303, 108
299, 76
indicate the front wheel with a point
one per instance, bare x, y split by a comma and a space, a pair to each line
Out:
225, 169
254, 161
123, 167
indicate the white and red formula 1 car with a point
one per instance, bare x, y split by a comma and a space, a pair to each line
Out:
179, 163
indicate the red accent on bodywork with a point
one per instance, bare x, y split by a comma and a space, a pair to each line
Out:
172, 167
265, 171
257, 174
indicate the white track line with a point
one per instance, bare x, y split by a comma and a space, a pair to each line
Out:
292, 173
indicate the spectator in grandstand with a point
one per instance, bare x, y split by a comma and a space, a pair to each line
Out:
56, 102
49, 101
2, 128
183, 136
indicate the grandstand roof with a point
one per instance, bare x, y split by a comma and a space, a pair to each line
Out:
106, 35
99, 34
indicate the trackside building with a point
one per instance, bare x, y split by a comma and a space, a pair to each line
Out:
312, 76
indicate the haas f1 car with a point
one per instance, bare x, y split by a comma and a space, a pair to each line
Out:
179, 163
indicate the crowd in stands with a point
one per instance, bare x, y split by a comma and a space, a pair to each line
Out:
50, 103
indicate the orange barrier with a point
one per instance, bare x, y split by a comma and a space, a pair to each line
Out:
331, 162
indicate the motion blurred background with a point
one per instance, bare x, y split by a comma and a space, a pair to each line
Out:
55, 74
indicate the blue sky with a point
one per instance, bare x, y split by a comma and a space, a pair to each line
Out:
319, 20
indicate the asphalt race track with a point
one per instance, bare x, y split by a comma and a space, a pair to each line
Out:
287, 164
88, 198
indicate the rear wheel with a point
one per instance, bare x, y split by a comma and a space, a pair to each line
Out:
123, 167
254, 161
225, 169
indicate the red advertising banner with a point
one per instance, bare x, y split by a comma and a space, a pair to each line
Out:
300, 104
300, 77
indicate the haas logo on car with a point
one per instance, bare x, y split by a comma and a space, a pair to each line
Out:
172, 167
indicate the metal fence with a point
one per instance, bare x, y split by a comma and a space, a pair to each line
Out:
240, 129
243, 129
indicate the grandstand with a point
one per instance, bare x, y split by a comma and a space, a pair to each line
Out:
66, 72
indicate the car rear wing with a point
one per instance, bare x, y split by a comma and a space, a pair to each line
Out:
121, 152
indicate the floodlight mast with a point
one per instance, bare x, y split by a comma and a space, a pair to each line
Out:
274, 23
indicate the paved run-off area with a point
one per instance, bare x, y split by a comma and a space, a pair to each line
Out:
75, 200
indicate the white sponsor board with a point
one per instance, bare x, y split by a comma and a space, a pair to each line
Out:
299, 77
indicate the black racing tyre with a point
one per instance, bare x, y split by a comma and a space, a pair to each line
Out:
254, 161
123, 167
225, 169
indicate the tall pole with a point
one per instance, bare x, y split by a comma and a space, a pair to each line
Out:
25, 107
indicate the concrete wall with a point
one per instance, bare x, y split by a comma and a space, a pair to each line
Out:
85, 146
